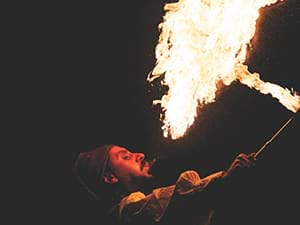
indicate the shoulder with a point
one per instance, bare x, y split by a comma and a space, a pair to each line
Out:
190, 176
134, 197
186, 181
190, 179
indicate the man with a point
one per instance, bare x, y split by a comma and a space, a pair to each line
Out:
122, 180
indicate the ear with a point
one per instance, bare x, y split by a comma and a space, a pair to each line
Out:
110, 178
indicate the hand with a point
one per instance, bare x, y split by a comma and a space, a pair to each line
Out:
240, 163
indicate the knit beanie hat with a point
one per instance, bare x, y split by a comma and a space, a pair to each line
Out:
90, 167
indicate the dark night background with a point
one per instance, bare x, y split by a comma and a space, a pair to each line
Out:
92, 60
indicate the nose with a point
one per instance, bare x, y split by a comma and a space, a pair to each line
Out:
139, 156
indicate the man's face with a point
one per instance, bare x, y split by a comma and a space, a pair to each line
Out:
128, 167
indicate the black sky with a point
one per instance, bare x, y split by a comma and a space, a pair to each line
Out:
94, 74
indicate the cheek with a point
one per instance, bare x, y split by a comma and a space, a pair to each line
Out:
134, 169
128, 168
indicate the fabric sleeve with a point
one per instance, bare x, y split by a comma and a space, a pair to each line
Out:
205, 191
139, 207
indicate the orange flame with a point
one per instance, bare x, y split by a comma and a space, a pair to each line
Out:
203, 42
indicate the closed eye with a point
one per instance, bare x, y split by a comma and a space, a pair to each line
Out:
126, 155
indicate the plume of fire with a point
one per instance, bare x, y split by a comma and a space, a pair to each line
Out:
202, 43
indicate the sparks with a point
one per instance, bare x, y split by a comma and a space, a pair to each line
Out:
203, 43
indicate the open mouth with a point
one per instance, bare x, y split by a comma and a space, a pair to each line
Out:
145, 164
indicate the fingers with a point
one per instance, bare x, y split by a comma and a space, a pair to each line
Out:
252, 156
239, 164
246, 161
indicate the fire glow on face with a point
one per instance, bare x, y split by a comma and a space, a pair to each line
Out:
203, 43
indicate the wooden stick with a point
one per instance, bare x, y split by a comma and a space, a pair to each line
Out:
274, 136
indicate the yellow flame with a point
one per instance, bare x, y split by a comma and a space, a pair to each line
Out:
203, 42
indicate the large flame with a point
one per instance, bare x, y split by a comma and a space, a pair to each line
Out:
203, 42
